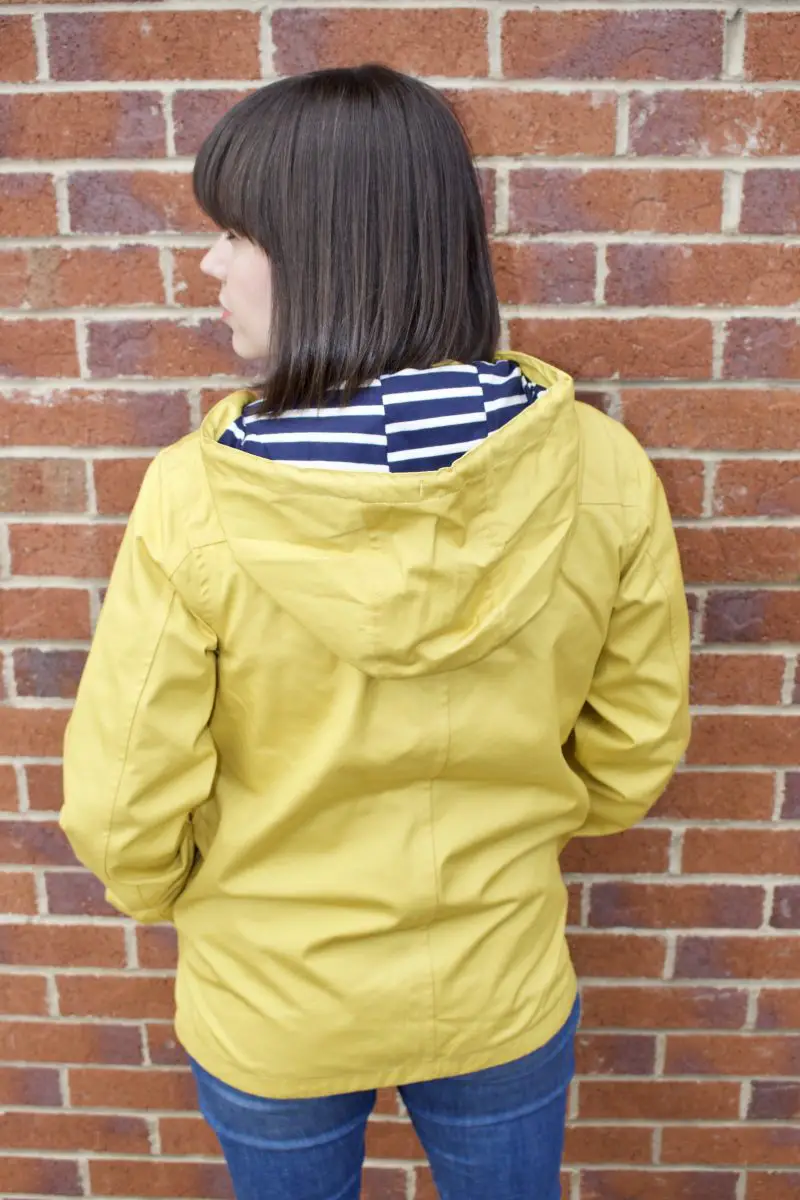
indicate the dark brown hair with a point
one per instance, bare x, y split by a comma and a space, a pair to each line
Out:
359, 185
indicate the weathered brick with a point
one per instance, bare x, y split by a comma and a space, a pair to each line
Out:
672, 906
32, 732
608, 1143
23, 995
157, 947
48, 673
617, 954
709, 419
499, 121
734, 957
167, 45
772, 46
739, 1145
131, 1089
757, 488
762, 348
786, 910
771, 201
80, 417
116, 996
741, 851
600, 200
36, 1175
778, 1008
121, 1177
658, 1185
731, 1054
657, 1100
60, 946
67, 125
28, 206
615, 1054
536, 273
723, 275
161, 348
54, 485
191, 286
134, 202
85, 551
781, 1185
51, 277
22, 1086
740, 555
613, 45
117, 482
18, 60
45, 791
75, 1131
753, 616
655, 1006
737, 679
28, 613
48, 345
774, 1100
718, 795
76, 894
639, 849
703, 123
683, 480
196, 111
447, 41
601, 348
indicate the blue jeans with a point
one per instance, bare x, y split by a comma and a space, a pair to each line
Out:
496, 1134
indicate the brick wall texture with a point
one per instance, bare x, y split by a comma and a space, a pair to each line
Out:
641, 168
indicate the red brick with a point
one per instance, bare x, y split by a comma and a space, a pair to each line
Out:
771, 201
8, 786
574, 904
606, 200
76, 894
615, 1054
418, 41
790, 810
617, 954
783, 1185
74, 1131
779, 1008
732, 1054
737, 957
116, 996
134, 202
195, 112
742, 1145
714, 420
17, 893
757, 488
85, 551
157, 947
753, 616
131, 1089
165, 1050
741, 851
61, 946
192, 288
169, 45
612, 45
608, 1143
56, 485
52, 277
658, 1185
638, 849
719, 275
393, 1139
775, 1101
683, 481
772, 48
736, 679
20, 1086
676, 906
211, 396
504, 122
757, 348
187, 1136
23, 995
117, 482
45, 791
699, 123
740, 555
65, 125
39, 1176
161, 347
34, 733
44, 612
46, 673
18, 62
69, 1042
663, 1007
734, 740
168, 1180
28, 206
536, 273
786, 909
47, 343
601, 348
656, 1100
77, 417
386, 1183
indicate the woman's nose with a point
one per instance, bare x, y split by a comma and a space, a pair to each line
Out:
213, 262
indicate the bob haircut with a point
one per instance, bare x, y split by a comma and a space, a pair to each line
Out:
358, 184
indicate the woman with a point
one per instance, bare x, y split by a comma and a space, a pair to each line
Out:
383, 635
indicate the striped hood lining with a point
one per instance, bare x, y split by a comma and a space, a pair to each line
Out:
410, 420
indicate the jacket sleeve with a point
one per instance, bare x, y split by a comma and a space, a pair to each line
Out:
634, 725
138, 755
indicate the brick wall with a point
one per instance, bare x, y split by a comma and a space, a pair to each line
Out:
642, 174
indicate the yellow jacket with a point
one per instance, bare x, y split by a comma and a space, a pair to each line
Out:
338, 727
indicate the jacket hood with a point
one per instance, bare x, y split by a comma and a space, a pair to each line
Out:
417, 573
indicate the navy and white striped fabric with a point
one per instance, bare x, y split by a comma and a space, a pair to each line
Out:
411, 420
